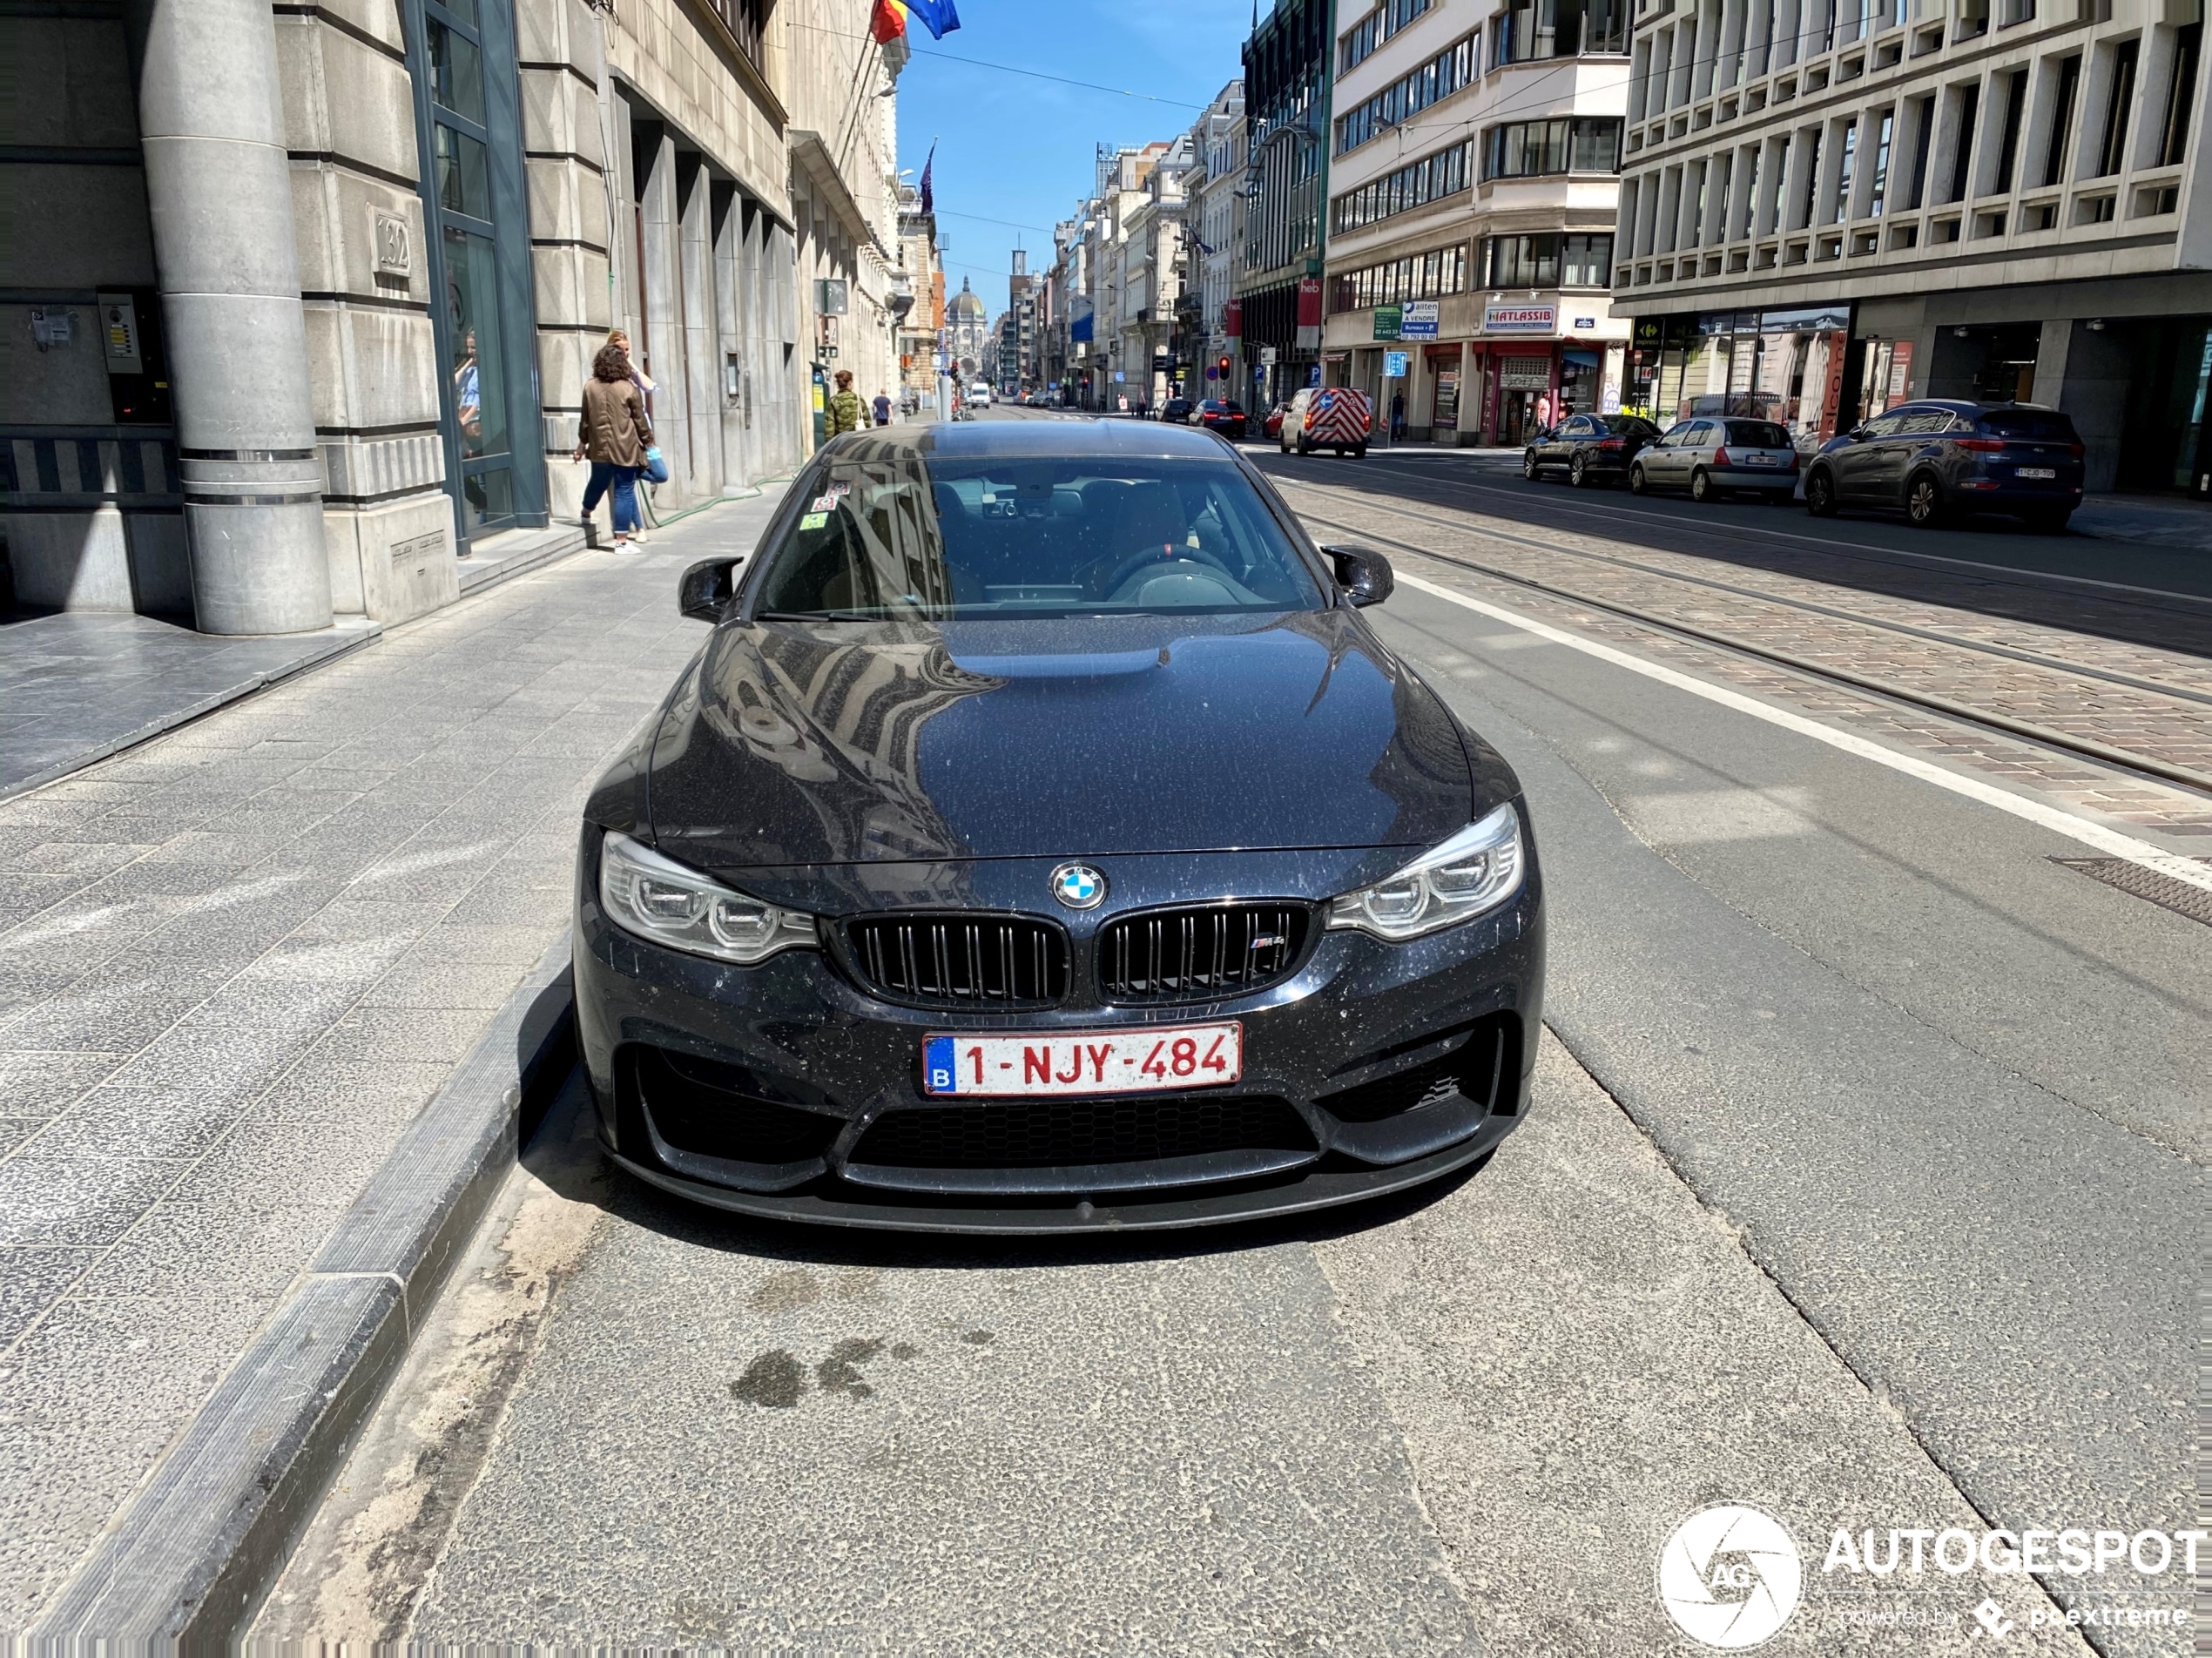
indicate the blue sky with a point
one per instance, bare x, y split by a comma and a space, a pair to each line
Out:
1012, 147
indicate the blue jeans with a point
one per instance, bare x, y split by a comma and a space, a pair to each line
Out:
624, 480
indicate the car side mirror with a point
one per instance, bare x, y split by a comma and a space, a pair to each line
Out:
1364, 575
1858, 434
707, 589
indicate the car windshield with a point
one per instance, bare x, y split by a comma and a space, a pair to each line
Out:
1034, 535
1757, 435
2036, 425
1629, 426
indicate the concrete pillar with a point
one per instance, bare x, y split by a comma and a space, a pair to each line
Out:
219, 191
695, 302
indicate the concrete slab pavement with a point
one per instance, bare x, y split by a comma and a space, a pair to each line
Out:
235, 962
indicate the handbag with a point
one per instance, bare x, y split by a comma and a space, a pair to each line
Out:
655, 466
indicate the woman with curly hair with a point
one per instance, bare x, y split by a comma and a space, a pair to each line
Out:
614, 434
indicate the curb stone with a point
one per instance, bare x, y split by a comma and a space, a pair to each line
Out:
184, 1565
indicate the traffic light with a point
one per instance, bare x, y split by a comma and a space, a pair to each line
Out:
1224, 368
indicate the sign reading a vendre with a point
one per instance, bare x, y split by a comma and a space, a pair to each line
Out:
1520, 319
1420, 320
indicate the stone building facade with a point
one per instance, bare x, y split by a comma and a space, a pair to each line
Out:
300, 300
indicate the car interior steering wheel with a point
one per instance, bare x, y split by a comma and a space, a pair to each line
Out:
1167, 553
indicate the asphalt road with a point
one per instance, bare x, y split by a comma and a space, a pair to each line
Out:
1861, 1183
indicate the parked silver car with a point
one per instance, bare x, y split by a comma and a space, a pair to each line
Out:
1710, 457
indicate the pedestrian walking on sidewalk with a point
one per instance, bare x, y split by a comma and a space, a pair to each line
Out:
844, 410
883, 409
613, 436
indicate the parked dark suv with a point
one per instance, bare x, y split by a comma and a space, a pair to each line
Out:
1589, 449
1936, 458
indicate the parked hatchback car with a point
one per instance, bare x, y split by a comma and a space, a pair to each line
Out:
1589, 449
872, 928
1936, 458
1217, 416
1715, 458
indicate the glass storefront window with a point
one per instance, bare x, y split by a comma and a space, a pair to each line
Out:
468, 122
457, 71
464, 173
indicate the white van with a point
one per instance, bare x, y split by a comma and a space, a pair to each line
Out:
980, 395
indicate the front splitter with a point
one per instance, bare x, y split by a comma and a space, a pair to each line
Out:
1323, 1188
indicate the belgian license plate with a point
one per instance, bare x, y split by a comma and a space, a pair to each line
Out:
1761, 460
2035, 472
1090, 1062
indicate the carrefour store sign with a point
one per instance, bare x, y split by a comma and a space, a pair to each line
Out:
1520, 319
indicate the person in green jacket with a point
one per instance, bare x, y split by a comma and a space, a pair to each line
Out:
845, 409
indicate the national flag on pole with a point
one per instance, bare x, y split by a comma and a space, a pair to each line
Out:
929, 196
939, 17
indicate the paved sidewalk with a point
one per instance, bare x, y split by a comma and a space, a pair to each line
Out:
237, 960
81, 685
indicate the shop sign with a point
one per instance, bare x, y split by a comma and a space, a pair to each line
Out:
1335, 356
1586, 322
1395, 364
1520, 319
1388, 320
1233, 318
1525, 374
1420, 322
1308, 312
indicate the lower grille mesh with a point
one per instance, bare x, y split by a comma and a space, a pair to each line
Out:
1038, 1133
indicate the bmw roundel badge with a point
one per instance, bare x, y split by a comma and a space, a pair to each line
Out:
1079, 887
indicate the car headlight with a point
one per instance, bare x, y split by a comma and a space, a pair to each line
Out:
659, 898
1476, 869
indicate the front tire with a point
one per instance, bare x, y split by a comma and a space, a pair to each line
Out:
1924, 502
1529, 467
1638, 484
1820, 496
1701, 487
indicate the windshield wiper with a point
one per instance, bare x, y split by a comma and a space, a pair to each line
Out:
828, 615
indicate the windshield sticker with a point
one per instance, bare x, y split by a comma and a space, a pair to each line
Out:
813, 520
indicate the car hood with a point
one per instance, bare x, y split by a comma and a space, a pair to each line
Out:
829, 743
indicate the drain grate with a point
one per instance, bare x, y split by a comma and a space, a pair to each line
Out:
2164, 890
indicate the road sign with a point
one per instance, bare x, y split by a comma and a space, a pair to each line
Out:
1395, 364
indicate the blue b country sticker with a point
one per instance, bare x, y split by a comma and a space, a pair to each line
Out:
938, 1071
813, 520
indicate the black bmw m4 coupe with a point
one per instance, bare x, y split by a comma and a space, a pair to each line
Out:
1042, 841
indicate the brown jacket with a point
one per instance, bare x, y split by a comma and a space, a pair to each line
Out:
615, 426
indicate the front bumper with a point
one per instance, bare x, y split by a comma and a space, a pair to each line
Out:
1373, 1067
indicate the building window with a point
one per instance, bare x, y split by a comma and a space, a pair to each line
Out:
2111, 153
746, 20
1845, 169
1879, 183
1548, 261
2069, 89
1528, 30
1443, 75
1923, 142
2181, 95
1969, 105
1416, 185
467, 124
1360, 42
2009, 143
1531, 149
1418, 276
